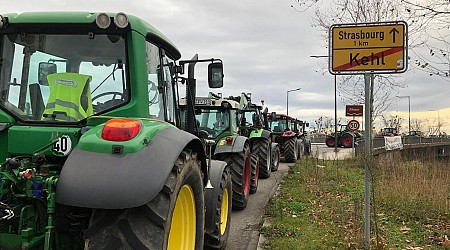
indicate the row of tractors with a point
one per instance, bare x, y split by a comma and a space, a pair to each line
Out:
99, 151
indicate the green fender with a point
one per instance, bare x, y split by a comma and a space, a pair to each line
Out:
113, 181
236, 146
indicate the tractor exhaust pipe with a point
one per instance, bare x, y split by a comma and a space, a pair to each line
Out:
191, 89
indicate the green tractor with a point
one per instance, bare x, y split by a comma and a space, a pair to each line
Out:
217, 119
92, 155
345, 137
254, 125
300, 128
283, 133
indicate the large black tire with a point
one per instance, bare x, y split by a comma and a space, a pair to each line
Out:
261, 148
218, 238
330, 141
290, 150
240, 165
179, 204
254, 179
276, 155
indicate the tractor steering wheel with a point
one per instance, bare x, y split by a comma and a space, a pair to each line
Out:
107, 104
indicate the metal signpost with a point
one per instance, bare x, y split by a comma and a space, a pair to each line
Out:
368, 48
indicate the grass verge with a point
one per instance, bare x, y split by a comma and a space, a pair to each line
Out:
321, 206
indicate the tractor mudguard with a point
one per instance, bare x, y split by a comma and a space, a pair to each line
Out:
211, 194
107, 181
236, 146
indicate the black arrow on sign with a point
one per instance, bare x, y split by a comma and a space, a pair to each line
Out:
393, 31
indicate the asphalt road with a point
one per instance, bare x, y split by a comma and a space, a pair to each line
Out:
244, 233
244, 226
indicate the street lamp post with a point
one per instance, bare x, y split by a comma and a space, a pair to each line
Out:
335, 105
287, 99
409, 111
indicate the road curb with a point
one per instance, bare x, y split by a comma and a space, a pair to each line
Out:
266, 222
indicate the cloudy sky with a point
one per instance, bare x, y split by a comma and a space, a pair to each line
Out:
266, 48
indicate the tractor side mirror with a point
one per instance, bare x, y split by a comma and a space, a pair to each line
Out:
45, 69
215, 75
307, 124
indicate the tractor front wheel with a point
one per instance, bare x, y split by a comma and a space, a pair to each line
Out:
174, 219
217, 239
330, 141
276, 155
290, 150
255, 174
240, 165
261, 148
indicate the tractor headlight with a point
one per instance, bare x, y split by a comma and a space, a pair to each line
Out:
103, 21
121, 20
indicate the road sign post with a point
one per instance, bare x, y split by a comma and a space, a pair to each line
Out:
368, 48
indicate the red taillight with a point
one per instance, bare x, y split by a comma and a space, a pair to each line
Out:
120, 129
229, 140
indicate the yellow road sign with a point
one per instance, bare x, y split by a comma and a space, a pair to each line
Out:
372, 47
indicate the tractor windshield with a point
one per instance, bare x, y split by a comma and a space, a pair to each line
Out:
279, 125
61, 77
214, 122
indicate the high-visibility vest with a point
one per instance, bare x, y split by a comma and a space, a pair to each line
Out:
67, 93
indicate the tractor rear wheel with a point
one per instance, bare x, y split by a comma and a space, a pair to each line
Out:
255, 174
174, 219
290, 150
218, 238
240, 165
276, 155
347, 140
261, 147
330, 141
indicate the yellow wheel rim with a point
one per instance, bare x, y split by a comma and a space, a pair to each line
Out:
224, 212
183, 226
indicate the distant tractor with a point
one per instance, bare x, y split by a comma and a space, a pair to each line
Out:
282, 133
217, 120
389, 132
345, 138
305, 140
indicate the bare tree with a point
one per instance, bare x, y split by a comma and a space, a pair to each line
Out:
434, 15
392, 121
417, 125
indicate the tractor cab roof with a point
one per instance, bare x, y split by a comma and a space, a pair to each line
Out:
58, 19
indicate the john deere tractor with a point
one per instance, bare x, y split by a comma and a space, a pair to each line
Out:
91, 151
254, 125
217, 119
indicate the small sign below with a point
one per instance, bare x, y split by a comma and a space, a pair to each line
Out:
354, 110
